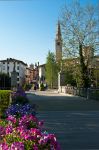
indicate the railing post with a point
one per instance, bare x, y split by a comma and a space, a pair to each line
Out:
61, 89
65, 89
88, 91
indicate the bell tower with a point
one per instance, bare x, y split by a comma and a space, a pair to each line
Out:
58, 43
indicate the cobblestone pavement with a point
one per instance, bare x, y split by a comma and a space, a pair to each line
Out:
74, 120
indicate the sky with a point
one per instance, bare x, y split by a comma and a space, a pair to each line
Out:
28, 28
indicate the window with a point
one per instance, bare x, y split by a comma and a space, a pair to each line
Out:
58, 43
17, 67
3, 67
17, 79
18, 73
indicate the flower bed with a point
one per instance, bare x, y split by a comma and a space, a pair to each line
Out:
25, 133
21, 130
19, 110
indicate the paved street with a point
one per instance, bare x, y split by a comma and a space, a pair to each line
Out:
74, 120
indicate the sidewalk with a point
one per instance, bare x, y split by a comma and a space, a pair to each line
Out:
49, 92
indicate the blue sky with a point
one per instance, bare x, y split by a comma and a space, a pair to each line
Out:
28, 28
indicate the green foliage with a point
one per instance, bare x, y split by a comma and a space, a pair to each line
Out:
96, 77
94, 94
5, 81
4, 100
28, 144
42, 87
51, 70
3, 123
77, 76
27, 87
69, 78
68, 70
10, 138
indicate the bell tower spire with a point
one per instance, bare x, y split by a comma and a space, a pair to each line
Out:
58, 43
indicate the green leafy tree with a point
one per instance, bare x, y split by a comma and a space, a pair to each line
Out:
80, 32
51, 70
69, 77
68, 69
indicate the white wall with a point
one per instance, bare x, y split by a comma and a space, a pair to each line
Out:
41, 71
21, 70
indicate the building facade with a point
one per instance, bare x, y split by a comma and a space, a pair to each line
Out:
7, 66
30, 74
42, 73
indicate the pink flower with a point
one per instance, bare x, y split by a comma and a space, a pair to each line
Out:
17, 146
27, 128
2, 131
9, 129
35, 147
12, 119
36, 132
40, 123
4, 146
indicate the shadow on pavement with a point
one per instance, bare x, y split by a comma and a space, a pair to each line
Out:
62, 103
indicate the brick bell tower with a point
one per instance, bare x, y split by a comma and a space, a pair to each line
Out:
58, 43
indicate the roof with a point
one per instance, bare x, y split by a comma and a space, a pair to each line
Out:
13, 60
32, 69
43, 65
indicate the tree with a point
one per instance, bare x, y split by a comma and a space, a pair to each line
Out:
68, 70
80, 32
69, 78
51, 70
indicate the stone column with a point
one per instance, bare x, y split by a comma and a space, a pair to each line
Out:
14, 78
61, 80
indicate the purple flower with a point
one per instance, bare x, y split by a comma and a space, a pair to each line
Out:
19, 96
19, 110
